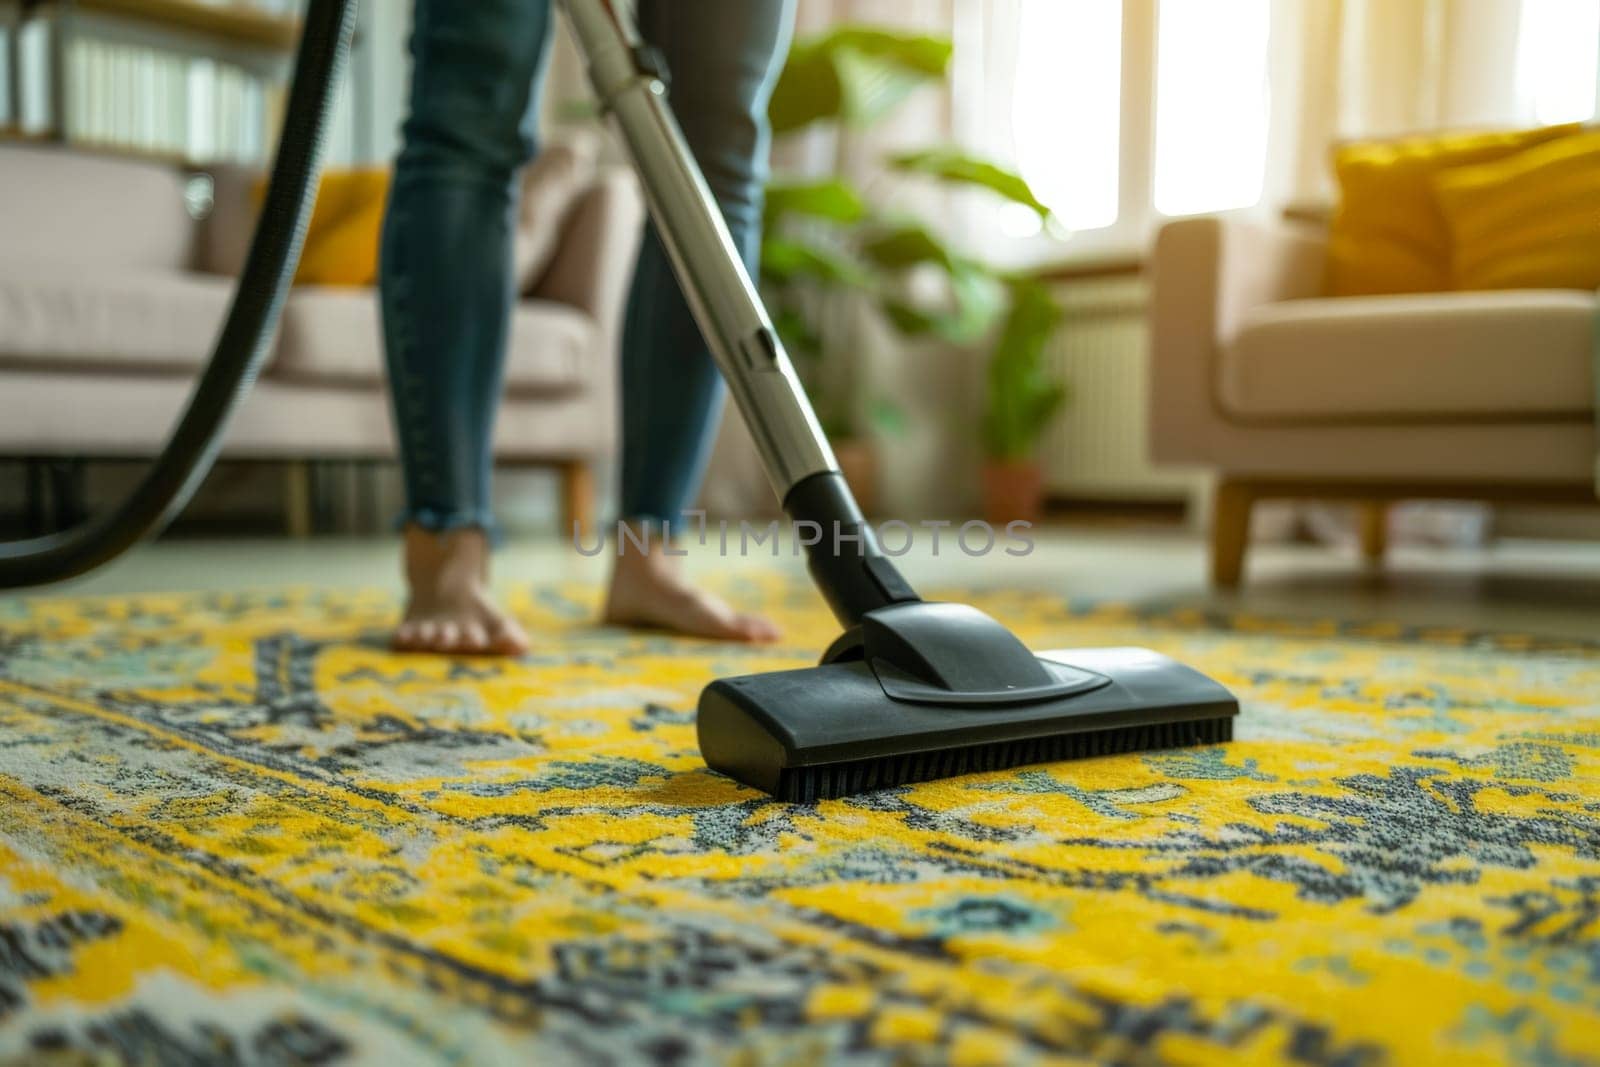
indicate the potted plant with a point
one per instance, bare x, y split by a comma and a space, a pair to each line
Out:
1022, 400
830, 248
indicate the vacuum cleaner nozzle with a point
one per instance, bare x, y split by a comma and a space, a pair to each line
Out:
912, 690
926, 690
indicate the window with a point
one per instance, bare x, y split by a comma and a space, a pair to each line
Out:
1067, 107
1125, 109
1558, 44
1211, 105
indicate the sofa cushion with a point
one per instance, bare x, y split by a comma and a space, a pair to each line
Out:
549, 187
333, 335
152, 320
342, 237
346, 227
551, 184
1388, 234
224, 237
1527, 221
1394, 358
62, 206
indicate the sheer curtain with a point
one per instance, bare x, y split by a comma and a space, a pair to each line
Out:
1373, 68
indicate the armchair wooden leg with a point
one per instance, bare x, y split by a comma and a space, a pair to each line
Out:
1373, 525
577, 497
1230, 532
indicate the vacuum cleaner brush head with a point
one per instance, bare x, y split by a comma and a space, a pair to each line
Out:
934, 690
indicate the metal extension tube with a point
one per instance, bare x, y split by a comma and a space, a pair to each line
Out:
795, 454
721, 294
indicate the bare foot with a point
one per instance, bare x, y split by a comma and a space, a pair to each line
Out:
450, 609
648, 589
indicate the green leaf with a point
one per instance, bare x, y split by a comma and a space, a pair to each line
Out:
836, 427
829, 199
887, 417
854, 75
1034, 316
1022, 397
951, 165
808, 91
907, 244
796, 333
784, 260
976, 300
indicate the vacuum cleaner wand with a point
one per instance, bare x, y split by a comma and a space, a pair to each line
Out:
631, 81
912, 690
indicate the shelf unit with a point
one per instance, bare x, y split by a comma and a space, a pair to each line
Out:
259, 41
235, 23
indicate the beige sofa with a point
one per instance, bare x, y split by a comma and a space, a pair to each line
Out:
1458, 395
111, 295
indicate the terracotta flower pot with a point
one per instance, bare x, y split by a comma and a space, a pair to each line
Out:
1013, 489
858, 462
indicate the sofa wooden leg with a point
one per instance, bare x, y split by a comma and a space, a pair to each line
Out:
36, 515
69, 495
577, 497
1230, 532
297, 499
1373, 526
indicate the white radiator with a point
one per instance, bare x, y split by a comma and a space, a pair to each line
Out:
1096, 449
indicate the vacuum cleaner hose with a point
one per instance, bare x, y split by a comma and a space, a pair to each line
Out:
246, 335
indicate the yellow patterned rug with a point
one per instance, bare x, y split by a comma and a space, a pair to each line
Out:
236, 830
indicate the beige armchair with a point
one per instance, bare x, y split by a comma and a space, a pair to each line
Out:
1286, 394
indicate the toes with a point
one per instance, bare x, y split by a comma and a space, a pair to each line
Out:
405, 636
508, 639
758, 630
426, 634
671, 605
702, 616
723, 623
474, 637
449, 636
487, 632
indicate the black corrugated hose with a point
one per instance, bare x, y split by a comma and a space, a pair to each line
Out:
246, 335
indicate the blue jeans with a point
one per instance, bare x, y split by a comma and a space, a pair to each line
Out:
446, 276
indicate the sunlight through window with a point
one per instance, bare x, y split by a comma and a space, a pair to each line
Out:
1558, 44
1067, 107
1211, 104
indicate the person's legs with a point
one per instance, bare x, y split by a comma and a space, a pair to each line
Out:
446, 283
723, 57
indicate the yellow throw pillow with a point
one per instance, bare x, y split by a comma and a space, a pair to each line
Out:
1529, 221
341, 245
1388, 234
